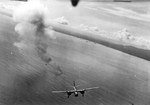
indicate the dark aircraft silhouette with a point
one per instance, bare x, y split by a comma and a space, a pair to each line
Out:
19, 0
75, 90
74, 2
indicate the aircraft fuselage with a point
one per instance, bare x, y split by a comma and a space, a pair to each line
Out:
75, 93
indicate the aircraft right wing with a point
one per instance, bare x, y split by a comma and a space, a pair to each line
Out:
91, 88
86, 89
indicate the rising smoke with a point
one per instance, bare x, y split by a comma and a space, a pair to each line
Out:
31, 27
34, 31
34, 35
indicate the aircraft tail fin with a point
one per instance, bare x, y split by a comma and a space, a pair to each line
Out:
74, 84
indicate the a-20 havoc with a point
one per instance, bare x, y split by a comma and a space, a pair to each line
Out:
75, 90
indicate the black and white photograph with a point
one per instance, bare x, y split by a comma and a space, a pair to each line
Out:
74, 52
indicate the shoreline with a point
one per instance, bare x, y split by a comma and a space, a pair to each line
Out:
121, 46
95, 37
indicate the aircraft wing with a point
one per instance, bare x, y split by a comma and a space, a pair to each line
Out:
59, 91
91, 88
71, 91
86, 89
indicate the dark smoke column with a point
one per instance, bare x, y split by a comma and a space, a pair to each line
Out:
74, 2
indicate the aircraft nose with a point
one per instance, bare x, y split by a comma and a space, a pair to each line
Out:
76, 95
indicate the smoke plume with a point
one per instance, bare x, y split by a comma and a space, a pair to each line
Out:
31, 18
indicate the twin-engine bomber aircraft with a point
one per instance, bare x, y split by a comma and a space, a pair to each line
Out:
75, 90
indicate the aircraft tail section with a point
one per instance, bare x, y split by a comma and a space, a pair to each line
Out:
74, 84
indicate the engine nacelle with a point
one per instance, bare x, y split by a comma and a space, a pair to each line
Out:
69, 93
82, 92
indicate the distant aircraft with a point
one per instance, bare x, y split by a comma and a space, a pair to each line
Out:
75, 90
19, 0
74, 2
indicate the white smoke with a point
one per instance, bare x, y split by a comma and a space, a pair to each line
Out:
62, 20
122, 35
31, 19
30, 12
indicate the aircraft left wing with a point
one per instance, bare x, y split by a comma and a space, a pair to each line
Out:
59, 91
71, 91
